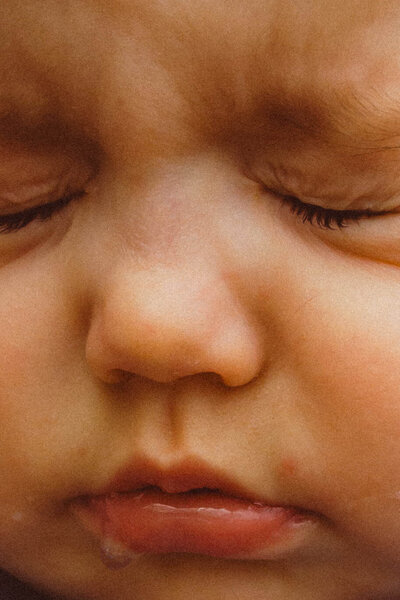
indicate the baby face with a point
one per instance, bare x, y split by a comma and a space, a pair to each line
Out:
199, 281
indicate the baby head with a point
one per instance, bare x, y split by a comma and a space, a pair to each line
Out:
199, 298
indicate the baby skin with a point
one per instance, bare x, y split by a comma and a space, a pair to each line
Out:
200, 298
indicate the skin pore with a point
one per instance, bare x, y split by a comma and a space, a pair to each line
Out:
180, 303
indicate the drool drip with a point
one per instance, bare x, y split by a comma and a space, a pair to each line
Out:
114, 555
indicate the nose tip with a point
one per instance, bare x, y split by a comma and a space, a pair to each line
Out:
166, 328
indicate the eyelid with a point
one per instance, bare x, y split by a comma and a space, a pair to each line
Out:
28, 189
14, 222
29, 195
327, 218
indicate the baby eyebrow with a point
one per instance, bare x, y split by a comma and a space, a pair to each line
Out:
350, 117
367, 120
30, 124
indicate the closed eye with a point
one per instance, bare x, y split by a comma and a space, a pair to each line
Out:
16, 221
326, 218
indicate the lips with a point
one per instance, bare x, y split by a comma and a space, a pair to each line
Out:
180, 477
188, 508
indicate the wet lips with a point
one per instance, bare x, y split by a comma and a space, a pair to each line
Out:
199, 521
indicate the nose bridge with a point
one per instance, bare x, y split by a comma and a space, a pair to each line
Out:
180, 207
169, 322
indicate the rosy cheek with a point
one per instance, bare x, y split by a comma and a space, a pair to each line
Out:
20, 356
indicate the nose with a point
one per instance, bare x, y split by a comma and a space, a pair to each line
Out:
167, 323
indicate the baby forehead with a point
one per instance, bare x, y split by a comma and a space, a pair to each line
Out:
306, 64
281, 41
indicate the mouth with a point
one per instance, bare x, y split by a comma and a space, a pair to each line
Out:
188, 508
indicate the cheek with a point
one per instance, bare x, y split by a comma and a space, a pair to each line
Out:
354, 371
25, 413
32, 328
29, 325
348, 369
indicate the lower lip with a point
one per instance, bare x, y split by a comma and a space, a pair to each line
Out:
199, 522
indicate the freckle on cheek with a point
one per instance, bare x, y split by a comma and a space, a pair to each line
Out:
82, 451
288, 467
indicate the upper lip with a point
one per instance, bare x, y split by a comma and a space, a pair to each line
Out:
181, 476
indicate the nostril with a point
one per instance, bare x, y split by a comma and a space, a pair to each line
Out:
119, 376
113, 376
239, 380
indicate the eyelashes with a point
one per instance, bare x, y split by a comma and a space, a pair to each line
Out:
16, 221
326, 218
